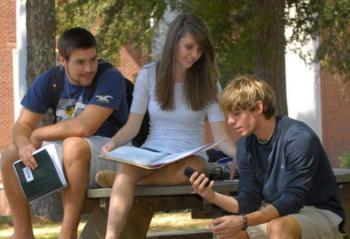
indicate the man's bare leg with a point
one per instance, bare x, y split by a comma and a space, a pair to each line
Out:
18, 203
76, 155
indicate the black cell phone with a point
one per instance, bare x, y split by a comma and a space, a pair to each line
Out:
189, 171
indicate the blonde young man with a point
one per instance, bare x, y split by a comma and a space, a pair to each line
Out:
286, 187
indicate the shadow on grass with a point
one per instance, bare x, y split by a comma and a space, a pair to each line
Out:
162, 221
43, 228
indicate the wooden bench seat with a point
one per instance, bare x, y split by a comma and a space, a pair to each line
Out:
150, 199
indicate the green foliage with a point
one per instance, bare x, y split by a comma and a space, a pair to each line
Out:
330, 21
345, 160
232, 24
114, 23
335, 37
232, 36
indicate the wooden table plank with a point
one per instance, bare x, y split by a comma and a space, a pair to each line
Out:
219, 186
342, 175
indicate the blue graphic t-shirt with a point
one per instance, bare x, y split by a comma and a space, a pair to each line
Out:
110, 92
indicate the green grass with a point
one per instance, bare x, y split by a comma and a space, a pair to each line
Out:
161, 222
43, 229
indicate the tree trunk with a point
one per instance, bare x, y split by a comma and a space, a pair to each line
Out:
41, 31
270, 48
41, 28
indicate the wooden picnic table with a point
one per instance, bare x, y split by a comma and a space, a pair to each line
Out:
150, 199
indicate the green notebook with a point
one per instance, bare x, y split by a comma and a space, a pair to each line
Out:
48, 177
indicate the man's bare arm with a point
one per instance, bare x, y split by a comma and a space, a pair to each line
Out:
263, 215
22, 130
24, 126
84, 125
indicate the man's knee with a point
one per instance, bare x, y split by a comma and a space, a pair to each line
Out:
283, 226
76, 149
7, 156
242, 235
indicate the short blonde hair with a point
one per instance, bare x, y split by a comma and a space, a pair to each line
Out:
244, 92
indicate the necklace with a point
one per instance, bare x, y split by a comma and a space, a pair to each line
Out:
261, 141
68, 91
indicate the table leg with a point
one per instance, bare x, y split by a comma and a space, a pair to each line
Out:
95, 228
138, 221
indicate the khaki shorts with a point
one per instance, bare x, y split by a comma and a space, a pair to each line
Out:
96, 163
315, 224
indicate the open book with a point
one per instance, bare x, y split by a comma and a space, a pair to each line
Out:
149, 159
48, 177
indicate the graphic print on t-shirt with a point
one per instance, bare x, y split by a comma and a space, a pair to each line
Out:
69, 108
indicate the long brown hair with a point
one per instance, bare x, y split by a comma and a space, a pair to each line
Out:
200, 82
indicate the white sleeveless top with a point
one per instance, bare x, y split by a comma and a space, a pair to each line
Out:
172, 131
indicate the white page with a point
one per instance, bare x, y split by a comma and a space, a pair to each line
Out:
134, 154
52, 151
177, 156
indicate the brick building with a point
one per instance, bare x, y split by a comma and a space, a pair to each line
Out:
332, 99
335, 99
7, 45
130, 61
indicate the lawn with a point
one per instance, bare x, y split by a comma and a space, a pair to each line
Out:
161, 222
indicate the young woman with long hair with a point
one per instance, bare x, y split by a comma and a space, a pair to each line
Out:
179, 92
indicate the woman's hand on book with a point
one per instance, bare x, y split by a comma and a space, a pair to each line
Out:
107, 147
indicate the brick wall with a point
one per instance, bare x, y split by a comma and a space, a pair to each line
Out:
131, 60
335, 106
7, 44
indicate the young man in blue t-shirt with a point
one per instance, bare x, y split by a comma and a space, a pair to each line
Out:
83, 125
286, 187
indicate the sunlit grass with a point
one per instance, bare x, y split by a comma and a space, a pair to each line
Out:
176, 221
161, 222
42, 229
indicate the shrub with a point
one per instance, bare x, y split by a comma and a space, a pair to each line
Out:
345, 160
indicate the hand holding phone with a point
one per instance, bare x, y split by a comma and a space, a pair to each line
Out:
201, 184
189, 171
